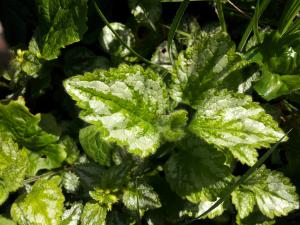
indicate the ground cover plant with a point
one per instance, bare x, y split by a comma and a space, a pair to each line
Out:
150, 112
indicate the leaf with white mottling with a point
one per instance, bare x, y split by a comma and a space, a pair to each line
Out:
43, 205
126, 103
204, 65
140, 197
232, 121
111, 44
270, 190
146, 11
72, 215
93, 214
70, 182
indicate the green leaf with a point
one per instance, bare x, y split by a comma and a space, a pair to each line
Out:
204, 65
94, 176
126, 103
271, 85
111, 44
270, 190
146, 11
93, 214
195, 167
5, 221
233, 122
140, 196
89, 176
255, 218
79, 60
49, 124
13, 165
71, 149
49, 157
95, 146
17, 122
117, 176
72, 215
61, 23
43, 205
120, 216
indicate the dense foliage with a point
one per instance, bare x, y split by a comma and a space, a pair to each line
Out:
143, 119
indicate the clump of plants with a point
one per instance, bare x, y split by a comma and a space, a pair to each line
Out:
145, 119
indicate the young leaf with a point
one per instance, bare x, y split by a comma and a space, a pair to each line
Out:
126, 103
70, 182
232, 121
72, 215
270, 190
93, 214
195, 167
105, 198
111, 44
13, 165
146, 11
42, 206
61, 23
140, 196
95, 146
161, 55
204, 65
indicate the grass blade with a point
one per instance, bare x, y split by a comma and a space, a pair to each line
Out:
232, 187
219, 7
175, 24
290, 11
255, 23
249, 28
